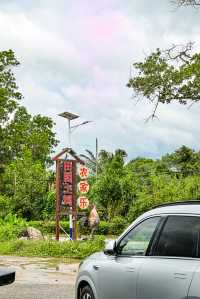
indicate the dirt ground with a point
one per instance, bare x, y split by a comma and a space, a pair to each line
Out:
39, 278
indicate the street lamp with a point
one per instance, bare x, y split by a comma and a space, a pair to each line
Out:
70, 116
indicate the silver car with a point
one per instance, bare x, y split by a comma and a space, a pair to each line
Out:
157, 257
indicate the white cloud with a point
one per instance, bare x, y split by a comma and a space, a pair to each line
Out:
76, 56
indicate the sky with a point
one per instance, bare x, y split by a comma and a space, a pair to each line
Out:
76, 56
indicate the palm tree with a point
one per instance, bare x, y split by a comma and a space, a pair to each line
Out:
90, 160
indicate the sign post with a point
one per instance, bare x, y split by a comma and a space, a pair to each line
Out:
74, 202
83, 188
66, 189
57, 199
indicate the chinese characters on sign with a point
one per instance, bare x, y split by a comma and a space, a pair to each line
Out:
83, 202
67, 183
83, 172
83, 187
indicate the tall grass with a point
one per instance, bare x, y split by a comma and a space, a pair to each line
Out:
49, 248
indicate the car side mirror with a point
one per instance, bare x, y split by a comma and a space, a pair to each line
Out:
6, 277
110, 248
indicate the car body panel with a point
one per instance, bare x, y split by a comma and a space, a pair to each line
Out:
167, 278
88, 274
121, 272
84, 277
147, 277
194, 291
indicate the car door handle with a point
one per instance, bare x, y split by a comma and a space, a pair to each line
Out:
96, 267
130, 269
180, 275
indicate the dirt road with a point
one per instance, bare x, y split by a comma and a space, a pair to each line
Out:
39, 278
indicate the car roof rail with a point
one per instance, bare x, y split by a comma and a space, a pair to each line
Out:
176, 203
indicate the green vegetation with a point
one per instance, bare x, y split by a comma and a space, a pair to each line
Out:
11, 227
26, 143
129, 189
69, 249
122, 190
167, 76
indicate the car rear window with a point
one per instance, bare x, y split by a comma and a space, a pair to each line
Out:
179, 237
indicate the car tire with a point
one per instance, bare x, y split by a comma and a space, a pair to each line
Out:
87, 293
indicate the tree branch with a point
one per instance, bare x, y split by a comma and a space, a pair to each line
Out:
180, 52
180, 3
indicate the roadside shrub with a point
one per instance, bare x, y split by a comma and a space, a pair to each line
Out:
117, 225
5, 206
48, 227
103, 228
11, 227
68, 249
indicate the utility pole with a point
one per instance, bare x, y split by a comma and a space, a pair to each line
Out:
73, 207
57, 199
97, 157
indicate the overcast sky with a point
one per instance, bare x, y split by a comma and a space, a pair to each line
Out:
76, 56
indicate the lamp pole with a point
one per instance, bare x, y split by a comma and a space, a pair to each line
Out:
70, 116
69, 133
73, 209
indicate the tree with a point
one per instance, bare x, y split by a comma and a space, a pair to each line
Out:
193, 3
184, 161
111, 187
26, 143
9, 95
26, 184
18, 129
34, 133
167, 76
90, 160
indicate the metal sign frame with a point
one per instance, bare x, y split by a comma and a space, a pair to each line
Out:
59, 207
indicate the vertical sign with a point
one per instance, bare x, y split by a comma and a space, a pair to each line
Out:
68, 193
83, 187
67, 184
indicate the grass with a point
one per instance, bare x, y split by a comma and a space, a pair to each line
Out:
67, 249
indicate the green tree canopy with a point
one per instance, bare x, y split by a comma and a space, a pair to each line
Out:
167, 76
184, 161
18, 129
9, 94
26, 143
34, 133
26, 184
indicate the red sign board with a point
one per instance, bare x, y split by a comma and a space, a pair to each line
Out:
67, 183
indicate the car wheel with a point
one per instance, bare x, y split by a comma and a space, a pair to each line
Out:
87, 293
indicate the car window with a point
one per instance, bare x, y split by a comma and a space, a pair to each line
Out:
179, 237
137, 240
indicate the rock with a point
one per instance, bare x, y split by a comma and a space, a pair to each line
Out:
23, 238
33, 233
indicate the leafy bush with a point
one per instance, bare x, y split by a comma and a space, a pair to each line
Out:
68, 249
5, 206
117, 225
11, 227
48, 227
103, 228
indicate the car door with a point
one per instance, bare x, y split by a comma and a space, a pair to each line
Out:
168, 272
118, 273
